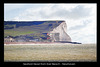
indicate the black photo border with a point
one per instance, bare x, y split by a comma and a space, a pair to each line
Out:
41, 63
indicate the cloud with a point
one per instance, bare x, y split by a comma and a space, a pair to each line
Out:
74, 13
85, 33
55, 11
9, 7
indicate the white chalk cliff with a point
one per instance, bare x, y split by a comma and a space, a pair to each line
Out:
62, 30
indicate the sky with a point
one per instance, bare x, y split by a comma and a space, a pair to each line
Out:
81, 18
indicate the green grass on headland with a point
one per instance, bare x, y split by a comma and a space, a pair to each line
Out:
16, 33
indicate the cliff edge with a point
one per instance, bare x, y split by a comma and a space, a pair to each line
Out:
62, 30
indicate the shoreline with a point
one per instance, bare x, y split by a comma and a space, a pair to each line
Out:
41, 44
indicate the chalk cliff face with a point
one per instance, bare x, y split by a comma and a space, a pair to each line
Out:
62, 30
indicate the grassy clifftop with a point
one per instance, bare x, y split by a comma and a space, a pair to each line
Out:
15, 28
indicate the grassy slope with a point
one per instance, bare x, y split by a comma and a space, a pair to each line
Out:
86, 52
16, 33
23, 30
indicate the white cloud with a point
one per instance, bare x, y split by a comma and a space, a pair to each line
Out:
85, 32
57, 12
9, 7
